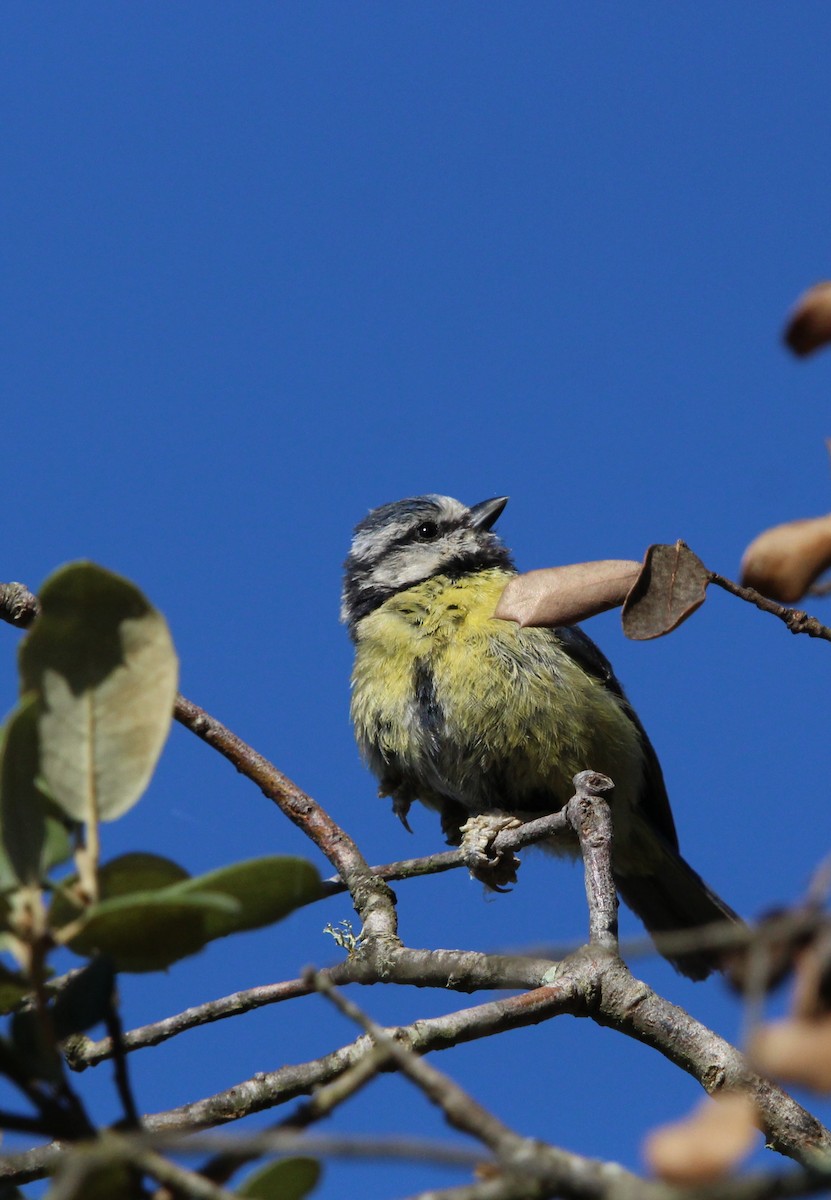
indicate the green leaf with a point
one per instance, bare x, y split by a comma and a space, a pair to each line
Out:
151, 913
122, 876
266, 890
33, 830
290, 1179
22, 803
102, 662
148, 931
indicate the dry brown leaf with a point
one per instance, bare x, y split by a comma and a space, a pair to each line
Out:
565, 595
704, 1146
784, 561
809, 325
798, 1051
671, 585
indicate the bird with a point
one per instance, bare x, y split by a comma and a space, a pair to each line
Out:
473, 715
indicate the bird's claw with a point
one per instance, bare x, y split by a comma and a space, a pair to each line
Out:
493, 869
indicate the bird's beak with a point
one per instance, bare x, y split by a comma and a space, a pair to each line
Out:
485, 514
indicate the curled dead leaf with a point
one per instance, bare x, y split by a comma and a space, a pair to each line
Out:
564, 595
795, 1050
784, 561
809, 324
715, 1137
671, 585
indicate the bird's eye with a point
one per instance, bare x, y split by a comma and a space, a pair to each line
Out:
427, 531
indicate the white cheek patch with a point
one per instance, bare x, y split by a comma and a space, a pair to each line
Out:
408, 565
416, 561
373, 543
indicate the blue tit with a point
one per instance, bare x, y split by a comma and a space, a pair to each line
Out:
474, 715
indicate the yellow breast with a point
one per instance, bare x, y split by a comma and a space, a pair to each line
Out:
491, 715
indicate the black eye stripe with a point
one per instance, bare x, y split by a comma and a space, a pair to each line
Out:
410, 536
371, 574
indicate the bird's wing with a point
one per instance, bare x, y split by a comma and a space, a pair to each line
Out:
654, 800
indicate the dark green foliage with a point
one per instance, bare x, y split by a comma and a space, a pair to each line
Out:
151, 913
289, 1179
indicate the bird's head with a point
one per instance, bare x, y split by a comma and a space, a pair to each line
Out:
399, 545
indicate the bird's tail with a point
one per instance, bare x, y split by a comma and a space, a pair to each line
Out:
670, 897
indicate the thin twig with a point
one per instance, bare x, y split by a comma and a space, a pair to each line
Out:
182, 1181
322, 1104
457, 970
598, 987
373, 900
519, 1157
795, 619
132, 1120
82, 1052
459, 1108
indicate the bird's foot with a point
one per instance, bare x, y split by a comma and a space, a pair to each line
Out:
494, 869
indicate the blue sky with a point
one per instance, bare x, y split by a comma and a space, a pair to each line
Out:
265, 266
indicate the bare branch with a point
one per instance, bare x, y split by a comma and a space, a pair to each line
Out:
587, 985
456, 970
795, 619
373, 900
255, 1145
629, 1005
182, 1181
591, 818
459, 1108
82, 1052
18, 606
